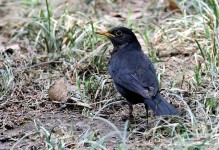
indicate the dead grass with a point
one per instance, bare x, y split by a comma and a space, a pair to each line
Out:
57, 39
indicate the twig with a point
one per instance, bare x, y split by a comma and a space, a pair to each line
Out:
37, 65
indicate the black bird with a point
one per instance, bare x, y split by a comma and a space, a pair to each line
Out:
133, 73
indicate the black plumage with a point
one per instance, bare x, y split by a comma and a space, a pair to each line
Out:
133, 73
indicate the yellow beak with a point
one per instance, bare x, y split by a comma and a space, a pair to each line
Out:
107, 34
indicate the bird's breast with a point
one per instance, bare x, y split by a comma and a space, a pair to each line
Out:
122, 61
114, 65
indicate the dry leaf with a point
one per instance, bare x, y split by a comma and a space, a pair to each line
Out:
83, 104
136, 15
110, 18
118, 15
176, 59
58, 91
173, 5
12, 47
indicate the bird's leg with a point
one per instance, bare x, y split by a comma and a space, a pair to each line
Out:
130, 117
147, 115
130, 111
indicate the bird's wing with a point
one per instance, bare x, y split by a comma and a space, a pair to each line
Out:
141, 80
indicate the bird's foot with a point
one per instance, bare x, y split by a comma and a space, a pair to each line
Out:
141, 129
130, 118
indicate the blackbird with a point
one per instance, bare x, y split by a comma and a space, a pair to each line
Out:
133, 73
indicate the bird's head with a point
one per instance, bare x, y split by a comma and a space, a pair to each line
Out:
120, 36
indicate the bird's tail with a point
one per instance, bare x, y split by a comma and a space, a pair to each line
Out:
160, 106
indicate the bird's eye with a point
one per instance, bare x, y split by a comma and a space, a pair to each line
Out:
118, 33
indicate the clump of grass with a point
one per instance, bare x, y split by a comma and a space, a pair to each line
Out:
196, 127
50, 139
65, 37
63, 135
6, 79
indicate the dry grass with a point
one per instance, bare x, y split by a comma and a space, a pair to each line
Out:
56, 40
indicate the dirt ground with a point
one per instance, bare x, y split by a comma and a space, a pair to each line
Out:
28, 107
